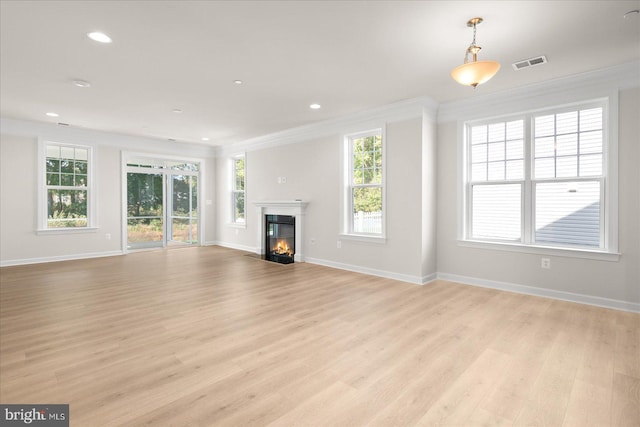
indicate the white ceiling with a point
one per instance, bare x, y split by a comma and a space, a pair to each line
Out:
349, 56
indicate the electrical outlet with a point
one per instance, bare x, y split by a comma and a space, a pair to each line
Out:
107, 236
339, 244
545, 263
236, 231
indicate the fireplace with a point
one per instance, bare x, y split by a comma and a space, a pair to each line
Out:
280, 238
295, 209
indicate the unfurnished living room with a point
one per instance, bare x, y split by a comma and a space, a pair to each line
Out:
320, 213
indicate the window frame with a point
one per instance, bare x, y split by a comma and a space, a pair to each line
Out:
608, 249
43, 188
347, 228
522, 181
233, 191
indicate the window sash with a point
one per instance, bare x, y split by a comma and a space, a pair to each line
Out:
569, 217
473, 231
79, 165
238, 216
368, 223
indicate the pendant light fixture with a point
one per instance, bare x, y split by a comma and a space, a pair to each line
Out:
475, 72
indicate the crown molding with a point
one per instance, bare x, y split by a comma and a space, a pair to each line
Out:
75, 135
398, 111
574, 88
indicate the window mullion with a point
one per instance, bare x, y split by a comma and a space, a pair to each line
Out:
603, 213
469, 186
527, 196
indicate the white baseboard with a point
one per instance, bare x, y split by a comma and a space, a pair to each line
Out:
473, 281
233, 246
365, 270
429, 278
543, 292
11, 262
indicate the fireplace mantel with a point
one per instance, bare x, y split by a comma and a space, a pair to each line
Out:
295, 208
297, 205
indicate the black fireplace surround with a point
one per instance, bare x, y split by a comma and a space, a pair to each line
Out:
280, 238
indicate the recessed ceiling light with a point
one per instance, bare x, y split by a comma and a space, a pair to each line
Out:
315, 106
82, 83
204, 138
99, 37
238, 82
52, 114
177, 110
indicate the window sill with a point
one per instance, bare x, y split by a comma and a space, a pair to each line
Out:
237, 224
380, 240
543, 250
54, 231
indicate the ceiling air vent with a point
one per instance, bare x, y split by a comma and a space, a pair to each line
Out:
525, 63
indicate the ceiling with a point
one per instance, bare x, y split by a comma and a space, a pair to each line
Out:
348, 56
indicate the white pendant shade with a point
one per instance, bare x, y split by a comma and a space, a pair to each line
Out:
475, 73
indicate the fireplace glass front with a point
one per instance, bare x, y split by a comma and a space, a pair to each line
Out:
280, 238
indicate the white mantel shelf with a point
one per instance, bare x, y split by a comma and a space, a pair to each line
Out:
295, 208
281, 204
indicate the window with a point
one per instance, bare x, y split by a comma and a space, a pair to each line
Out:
66, 183
540, 179
237, 191
364, 189
497, 175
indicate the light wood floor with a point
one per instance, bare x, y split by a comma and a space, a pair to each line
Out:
210, 336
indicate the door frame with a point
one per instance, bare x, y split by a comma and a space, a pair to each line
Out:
124, 169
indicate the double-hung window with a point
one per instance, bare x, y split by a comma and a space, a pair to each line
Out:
568, 178
364, 184
65, 201
496, 184
237, 190
540, 179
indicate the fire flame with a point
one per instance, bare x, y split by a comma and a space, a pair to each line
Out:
282, 248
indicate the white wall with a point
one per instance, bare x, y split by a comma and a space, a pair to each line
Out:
19, 206
616, 280
19, 242
313, 173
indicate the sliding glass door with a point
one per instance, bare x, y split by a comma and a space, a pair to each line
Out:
145, 210
183, 218
162, 203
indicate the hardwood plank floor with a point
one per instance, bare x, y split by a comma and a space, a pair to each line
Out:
209, 336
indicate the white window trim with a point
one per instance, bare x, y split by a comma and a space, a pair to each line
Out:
610, 218
346, 201
232, 220
42, 216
